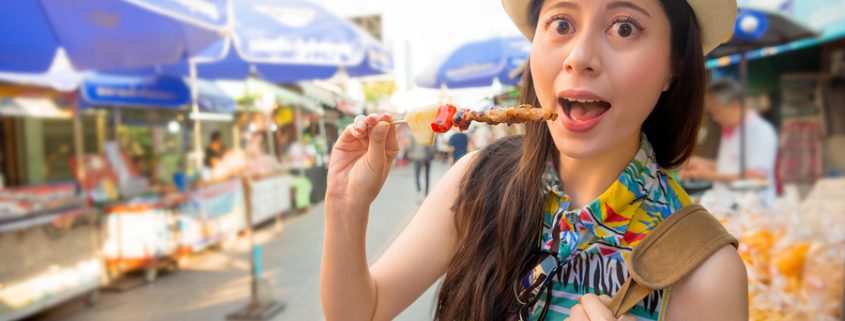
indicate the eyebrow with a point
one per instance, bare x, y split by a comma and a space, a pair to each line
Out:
626, 4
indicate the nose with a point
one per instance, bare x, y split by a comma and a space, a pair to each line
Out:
583, 58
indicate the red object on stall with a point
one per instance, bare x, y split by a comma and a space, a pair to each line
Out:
98, 170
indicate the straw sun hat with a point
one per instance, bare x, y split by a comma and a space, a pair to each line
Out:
715, 18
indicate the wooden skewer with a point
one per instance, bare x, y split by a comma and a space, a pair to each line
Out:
400, 121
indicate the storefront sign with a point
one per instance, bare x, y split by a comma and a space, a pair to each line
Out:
161, 92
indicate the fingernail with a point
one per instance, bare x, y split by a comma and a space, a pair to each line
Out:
383, 127
359, 123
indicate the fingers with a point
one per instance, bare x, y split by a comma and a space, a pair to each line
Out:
363, 125
595, 308
627, 317
359, 127
376, 153
392, 143
757, 174
577, 313
349, 135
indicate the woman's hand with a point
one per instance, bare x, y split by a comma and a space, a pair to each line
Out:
594, 308
360, 161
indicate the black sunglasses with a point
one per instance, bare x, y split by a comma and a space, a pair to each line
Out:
543, 268
539, 272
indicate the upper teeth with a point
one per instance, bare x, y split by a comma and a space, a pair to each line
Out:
582, 100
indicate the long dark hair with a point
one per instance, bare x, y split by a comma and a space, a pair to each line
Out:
497, 208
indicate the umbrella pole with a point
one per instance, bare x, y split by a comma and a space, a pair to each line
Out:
195, 110
743, 88
79, 148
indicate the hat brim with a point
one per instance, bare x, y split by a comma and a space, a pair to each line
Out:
716, 19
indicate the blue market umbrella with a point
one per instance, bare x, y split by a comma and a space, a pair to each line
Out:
285, 41
106, 34
477, 64
756, 29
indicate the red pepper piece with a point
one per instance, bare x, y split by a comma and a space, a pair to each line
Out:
443, 122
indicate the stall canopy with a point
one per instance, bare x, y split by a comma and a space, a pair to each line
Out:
264, 96
152, 92
35, 107
825, 18
107, 34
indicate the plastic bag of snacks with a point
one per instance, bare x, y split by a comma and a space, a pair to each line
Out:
821, 289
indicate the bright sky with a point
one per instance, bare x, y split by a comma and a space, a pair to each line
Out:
431, 28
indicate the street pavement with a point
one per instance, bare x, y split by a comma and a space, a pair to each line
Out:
213, 284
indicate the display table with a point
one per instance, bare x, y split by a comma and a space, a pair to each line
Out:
141, 234
211, 215
270, 196
49, 257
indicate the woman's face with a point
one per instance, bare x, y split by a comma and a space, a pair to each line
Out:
601, 65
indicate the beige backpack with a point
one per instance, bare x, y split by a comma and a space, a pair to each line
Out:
691, 235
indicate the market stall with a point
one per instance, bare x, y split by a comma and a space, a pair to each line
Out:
293, 123
41, 210
164, 208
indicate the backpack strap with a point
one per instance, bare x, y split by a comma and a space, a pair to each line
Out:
672, 250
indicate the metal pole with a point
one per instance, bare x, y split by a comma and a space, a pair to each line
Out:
271, 141
78, 142
258, 308
195, 110
253, 284
743, 87
323, 137
116, 119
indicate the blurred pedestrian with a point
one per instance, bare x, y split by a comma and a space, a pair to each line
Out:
213, 155
421, 156
214, 151
723, 104
458, 144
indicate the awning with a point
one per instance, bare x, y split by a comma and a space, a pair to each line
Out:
264, 96
331, 95
37, 107
323, 95
776, 50
827, 17
212, 98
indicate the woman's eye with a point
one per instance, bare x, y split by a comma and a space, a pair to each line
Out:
624, 29
562, 26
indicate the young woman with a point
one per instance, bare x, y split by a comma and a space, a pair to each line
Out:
627, 78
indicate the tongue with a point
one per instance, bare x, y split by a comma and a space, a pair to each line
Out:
586, 111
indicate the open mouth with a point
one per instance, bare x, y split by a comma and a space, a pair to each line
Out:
583, 110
